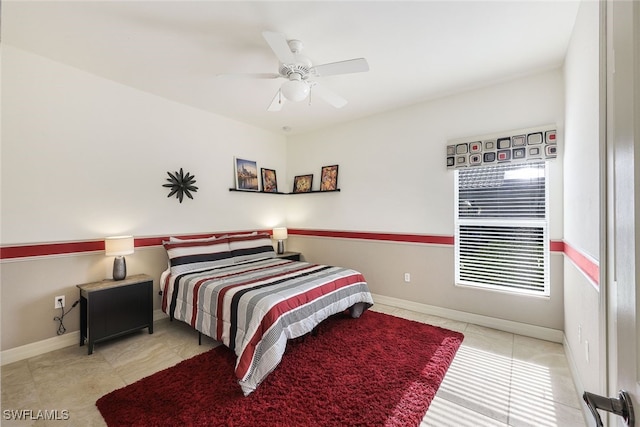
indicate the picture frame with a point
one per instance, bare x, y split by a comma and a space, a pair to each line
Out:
269, 180
246, 174
302, 183
329, 178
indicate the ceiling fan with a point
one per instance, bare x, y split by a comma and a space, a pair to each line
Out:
298, 70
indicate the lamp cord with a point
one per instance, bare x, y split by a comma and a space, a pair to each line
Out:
61, 328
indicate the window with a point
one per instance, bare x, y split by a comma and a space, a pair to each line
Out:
501, 239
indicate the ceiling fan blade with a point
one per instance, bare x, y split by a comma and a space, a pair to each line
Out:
250, 75
357, 65
328, 96
276, 104
279, 46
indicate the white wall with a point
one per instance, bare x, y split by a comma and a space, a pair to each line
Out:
582, 196
393, 178
582, 128
84, 157
392, 172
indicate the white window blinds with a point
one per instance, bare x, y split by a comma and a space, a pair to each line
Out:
501, 228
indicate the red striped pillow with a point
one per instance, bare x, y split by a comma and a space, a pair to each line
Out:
198, 255
255, 246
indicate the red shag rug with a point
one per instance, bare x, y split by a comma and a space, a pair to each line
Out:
378, 370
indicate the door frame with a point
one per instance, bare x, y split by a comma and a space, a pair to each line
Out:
619, 299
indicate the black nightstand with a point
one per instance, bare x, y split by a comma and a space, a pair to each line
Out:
111, 308
293, 256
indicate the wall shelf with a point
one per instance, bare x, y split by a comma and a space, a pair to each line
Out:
269, 192
318, 191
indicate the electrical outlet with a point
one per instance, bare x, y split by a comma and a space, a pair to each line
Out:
58, 302
407, 277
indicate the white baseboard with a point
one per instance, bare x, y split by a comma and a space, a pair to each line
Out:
159, 315
73, 338
50, 344
525, 329
39, 347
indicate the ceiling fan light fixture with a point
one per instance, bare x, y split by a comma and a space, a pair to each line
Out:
295, 90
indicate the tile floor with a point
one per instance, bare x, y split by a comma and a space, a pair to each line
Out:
496, 378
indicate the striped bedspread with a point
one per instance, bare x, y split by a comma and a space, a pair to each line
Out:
256, 306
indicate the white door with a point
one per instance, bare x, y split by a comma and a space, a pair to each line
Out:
623, 201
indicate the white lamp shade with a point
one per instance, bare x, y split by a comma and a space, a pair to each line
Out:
295, 90
118, 245
280, 233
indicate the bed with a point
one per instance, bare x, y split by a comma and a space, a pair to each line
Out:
235, 290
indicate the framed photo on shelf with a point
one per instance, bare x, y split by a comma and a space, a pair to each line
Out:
302, 183
269, 181
246, 174
329, 178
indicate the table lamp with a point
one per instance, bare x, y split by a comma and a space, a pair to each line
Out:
280, 234
118, 246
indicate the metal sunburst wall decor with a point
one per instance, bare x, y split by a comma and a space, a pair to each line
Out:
181, 184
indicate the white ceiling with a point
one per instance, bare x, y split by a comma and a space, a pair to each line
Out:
417, 50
